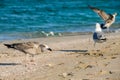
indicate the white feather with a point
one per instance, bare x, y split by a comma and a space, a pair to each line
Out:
98, 28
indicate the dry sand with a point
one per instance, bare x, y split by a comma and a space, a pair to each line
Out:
72, 58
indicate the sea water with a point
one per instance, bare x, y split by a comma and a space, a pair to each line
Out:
38, 18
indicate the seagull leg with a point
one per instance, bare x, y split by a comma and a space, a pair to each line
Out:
32, 61
108, 31
95, 48
94, 44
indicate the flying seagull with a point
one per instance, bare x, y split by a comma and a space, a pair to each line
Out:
98, 35
109, 19
29, 47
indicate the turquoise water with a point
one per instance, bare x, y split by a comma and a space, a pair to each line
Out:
32, 18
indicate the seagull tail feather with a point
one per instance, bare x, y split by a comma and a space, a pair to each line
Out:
9, 45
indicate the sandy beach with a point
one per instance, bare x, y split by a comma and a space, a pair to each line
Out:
72, 58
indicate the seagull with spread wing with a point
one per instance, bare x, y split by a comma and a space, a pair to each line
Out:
108, 18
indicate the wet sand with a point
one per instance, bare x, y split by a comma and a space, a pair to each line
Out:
72, 58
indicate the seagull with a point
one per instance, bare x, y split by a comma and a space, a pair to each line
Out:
29, 47
98, 35
109, 19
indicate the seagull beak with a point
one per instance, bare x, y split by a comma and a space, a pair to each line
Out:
49, 49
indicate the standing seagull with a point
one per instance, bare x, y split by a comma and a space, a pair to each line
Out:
108, 18
31, 48
98, 35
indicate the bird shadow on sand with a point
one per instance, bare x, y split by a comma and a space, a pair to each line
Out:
9, 64
79, 52
76, 51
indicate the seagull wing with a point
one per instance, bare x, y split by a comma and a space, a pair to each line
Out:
100, 12
20, 46
23, 45
99, 36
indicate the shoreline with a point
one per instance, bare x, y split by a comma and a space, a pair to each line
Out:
42, 34
72, 58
